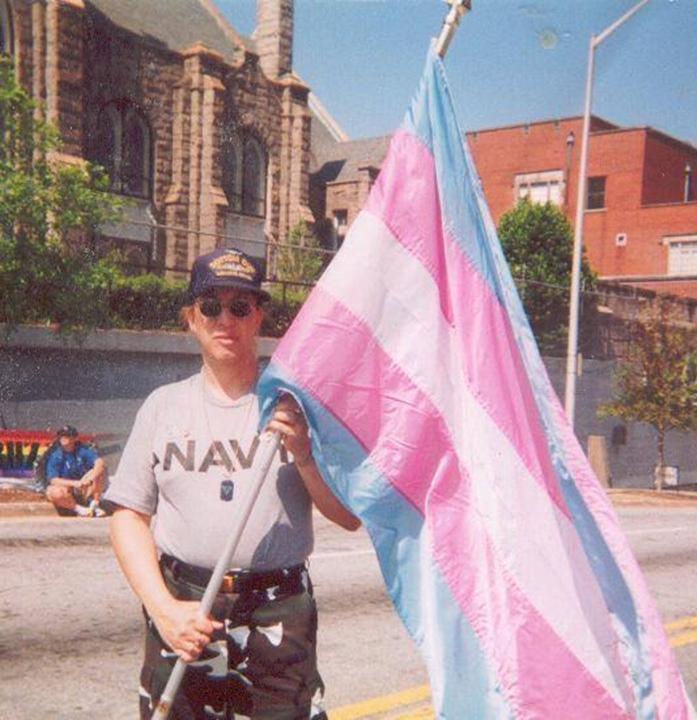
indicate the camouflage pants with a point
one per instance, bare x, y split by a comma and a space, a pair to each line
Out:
262, 665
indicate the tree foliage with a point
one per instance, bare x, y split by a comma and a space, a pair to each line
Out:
657, 381
538, 243
48, 209
298, 266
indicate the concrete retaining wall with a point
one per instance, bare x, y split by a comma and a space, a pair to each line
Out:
98, 382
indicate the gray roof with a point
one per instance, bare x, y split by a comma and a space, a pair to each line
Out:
340, 161
177, 24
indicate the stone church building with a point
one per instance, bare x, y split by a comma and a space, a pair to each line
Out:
206, 132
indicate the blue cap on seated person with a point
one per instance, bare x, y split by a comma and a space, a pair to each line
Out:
225, 268
67, 431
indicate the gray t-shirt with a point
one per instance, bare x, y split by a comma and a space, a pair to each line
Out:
189, 461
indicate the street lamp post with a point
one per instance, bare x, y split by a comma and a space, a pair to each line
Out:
574, 302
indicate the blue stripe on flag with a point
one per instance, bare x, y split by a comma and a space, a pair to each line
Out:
466, 216
463, 683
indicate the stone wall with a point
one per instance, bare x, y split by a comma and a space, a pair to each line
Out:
98, 382
74, 60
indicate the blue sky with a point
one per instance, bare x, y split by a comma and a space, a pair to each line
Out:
511, 61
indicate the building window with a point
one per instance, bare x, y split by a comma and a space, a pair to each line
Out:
253, 179
6, 30
123, 146
682, 255
596, 193
340, 226
232, 171
244, 175
540, 188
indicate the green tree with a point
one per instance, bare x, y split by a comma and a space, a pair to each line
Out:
538, 243
48, 210
298, 266
656, 382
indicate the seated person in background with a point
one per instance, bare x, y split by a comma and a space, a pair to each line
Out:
75, 475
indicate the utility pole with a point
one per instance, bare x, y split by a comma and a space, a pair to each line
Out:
575, 298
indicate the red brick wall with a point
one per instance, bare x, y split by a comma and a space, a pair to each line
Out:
502, 154
645, 227
639, 165
664, 170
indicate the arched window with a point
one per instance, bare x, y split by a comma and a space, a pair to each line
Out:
232, 171
244, 175
123, 146
6, 30
253, 178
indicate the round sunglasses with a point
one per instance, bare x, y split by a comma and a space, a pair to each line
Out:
211, 307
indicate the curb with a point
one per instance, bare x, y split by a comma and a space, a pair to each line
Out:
664, 498
27, 509
618, 496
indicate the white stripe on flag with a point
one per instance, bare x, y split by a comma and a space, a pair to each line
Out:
407, 322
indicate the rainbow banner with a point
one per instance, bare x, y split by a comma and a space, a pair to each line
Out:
20, 450
434, 421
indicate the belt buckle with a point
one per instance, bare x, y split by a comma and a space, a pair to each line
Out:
228, 584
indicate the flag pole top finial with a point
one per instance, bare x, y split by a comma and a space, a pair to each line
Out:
458, 8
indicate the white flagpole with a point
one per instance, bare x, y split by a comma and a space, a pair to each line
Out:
458, 8
267, 450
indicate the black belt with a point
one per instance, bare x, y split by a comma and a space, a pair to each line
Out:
234, 581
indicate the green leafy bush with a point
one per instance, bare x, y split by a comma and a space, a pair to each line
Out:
146, 302
49, 271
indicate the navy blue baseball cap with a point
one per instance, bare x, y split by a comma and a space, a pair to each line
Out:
66, 431
225, 268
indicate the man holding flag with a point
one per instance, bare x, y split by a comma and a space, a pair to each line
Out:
189, 459
433, 419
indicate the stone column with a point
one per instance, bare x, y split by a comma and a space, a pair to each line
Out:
63, 77
38, 58
176, 200
207, 202
274, 37
294, 156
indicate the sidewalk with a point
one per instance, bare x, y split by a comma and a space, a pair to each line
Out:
17, 503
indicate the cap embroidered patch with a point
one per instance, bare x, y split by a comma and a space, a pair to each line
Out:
233, 265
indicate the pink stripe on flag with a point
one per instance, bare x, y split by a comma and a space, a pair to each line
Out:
408, 441
407, 186
405, 198
670, 695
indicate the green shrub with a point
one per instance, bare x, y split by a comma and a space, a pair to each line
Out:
146, 302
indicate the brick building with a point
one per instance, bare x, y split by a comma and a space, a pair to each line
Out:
205, 131
641, 222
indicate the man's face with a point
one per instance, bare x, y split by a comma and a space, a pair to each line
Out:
67, 442
227, 335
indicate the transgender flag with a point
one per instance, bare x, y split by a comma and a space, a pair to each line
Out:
434, 421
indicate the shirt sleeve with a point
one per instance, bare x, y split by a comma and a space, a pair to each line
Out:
89, 456
53, 465
134, 486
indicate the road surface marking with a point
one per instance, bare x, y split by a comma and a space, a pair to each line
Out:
685, 623
382, 704
417, 695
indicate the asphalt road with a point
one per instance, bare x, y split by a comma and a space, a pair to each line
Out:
70, 629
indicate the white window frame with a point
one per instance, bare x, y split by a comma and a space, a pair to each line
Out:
541, 187
682, 255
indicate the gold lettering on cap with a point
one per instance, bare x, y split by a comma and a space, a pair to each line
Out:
233, 265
